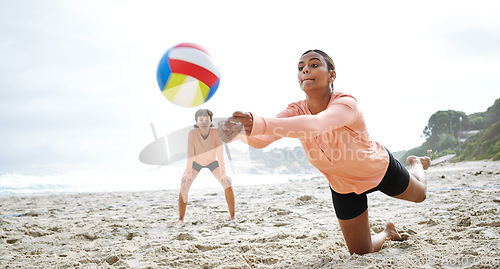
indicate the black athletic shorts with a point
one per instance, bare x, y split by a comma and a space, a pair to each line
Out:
350, 205
212, 166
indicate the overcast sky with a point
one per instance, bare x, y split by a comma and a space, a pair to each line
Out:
78, 84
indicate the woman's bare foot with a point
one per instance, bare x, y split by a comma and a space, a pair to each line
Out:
424, 161
179, 223
392, 233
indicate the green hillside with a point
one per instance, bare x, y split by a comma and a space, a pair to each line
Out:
471, 137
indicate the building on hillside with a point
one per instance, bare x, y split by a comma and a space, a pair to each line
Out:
464, 135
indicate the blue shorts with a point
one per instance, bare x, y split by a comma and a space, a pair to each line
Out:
212, 166
350, 205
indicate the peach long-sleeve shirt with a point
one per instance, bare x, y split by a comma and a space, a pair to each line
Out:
335, 140
204, 151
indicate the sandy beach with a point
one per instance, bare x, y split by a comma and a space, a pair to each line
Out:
278, 226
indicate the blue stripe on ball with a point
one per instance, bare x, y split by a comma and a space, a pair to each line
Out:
163, 72
213, 89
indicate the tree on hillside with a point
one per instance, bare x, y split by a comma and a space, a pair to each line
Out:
492, 115
476, 121
446, 122
442, 129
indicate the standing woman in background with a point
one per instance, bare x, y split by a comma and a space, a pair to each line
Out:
332, 130
204, 151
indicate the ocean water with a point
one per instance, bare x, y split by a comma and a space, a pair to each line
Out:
156, 178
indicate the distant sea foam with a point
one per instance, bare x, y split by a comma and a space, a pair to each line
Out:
156, 178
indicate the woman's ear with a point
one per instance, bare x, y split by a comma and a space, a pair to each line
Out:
333, 76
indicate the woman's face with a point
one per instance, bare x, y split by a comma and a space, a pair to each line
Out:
203, 121
313, 72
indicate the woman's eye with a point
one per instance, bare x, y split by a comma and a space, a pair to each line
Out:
300, 68
314, 65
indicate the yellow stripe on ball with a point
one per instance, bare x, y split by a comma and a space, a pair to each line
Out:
185, 90
201, 94
173, 86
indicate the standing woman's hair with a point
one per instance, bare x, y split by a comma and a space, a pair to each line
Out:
203, 112
328, 59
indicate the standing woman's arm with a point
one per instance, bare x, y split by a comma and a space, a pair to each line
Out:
190, 156
220, 154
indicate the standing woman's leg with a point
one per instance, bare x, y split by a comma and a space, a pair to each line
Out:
228, 192
185, 186
182, 209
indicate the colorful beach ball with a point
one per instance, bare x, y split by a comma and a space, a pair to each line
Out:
187, 75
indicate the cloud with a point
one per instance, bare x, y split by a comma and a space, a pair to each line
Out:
471, 40
65, 97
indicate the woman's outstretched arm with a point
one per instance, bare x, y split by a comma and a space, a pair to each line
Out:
341, 113
232, 130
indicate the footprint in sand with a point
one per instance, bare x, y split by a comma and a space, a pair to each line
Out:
305, 199
205, 247
184, 236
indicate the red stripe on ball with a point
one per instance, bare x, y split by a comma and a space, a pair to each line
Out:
193, 70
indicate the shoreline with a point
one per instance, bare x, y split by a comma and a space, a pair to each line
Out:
155, 182
290, 225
